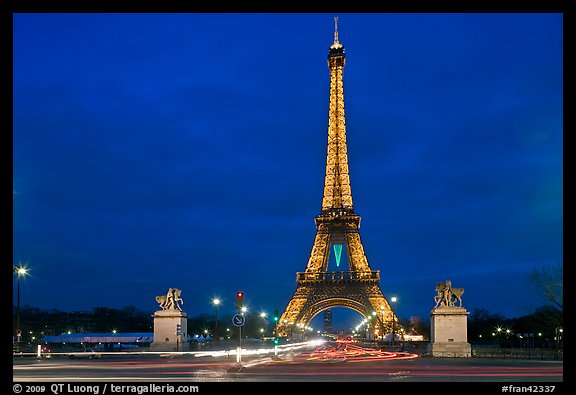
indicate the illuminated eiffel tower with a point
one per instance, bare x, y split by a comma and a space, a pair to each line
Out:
337, 226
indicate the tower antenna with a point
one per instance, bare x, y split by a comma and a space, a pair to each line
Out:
335, 29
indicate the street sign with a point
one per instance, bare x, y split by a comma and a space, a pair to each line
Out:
238, 320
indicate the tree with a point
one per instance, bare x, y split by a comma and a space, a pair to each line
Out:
545, 320
199, 324
482, 323
418, 326
548, 281
542, 328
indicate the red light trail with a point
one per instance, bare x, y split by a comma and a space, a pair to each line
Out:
344, 351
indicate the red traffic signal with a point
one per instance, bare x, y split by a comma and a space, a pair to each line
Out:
239, 299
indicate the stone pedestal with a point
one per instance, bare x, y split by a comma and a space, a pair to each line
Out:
166, 328
449, 333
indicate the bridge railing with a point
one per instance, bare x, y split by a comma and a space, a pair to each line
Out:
338, 275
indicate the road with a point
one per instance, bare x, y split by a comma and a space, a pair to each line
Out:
322, 365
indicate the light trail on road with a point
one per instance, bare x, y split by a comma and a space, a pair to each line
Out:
349, 352
343, 361
344, 351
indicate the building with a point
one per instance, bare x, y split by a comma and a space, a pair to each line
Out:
328, 321
101, 340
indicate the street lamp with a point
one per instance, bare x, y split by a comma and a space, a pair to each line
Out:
393, 299
20, 271
382, 308
264, 321
375, 329
558, 337
216, 302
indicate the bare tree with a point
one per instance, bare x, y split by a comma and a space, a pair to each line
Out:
548, 281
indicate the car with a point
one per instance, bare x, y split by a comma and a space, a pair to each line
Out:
45, 352
31, 351
87, 353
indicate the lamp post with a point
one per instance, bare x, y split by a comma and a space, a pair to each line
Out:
393, 300
374, 329
20, 271
498, 332
558, 337
216, 302
264, 323
382, 308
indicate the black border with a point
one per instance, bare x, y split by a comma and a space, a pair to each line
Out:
10, 7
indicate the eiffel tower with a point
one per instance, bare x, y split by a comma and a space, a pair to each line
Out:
337, 226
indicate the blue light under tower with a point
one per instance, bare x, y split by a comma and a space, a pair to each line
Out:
337, 253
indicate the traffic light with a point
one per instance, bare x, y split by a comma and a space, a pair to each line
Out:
276, 315
239, 300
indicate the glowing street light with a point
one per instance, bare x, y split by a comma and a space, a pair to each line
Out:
216, 303
20, 272
382, 309
264, 317
393, 299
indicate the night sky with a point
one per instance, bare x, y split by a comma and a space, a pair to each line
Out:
188, 150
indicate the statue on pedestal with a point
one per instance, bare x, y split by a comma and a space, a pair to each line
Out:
447, 295
170, 301
449, 323
170, 323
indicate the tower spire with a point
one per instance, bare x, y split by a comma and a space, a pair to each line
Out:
336, 44
335, 29
337, 192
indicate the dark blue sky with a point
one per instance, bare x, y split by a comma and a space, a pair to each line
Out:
188, 150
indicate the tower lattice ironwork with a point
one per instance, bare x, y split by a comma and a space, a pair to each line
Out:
337, 225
